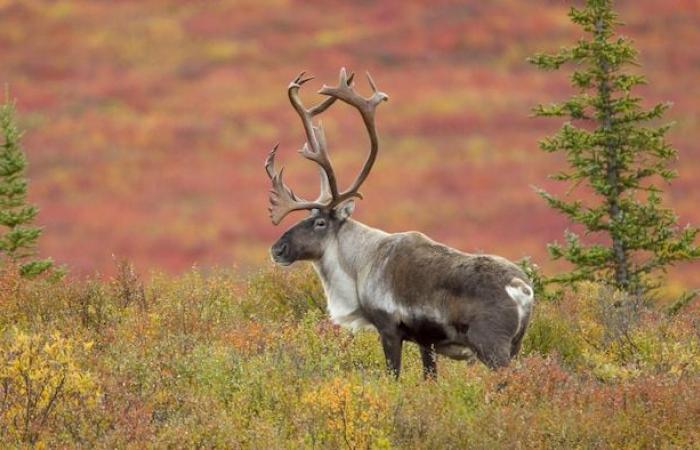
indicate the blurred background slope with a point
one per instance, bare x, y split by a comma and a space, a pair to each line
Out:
147, 122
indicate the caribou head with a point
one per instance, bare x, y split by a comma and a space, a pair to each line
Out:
307, 239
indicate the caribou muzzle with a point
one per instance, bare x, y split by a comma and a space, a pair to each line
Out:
281, 253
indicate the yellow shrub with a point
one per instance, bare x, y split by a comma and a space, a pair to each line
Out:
346, 414
41, 387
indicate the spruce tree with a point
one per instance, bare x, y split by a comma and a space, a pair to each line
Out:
615, 147
18, 242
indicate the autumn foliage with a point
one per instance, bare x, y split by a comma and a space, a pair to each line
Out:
203, 361
147, 123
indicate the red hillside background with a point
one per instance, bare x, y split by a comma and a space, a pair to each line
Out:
147, 122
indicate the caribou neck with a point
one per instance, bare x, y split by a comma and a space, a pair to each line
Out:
345, 262
352, 250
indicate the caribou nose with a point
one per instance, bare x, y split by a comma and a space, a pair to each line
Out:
279, 250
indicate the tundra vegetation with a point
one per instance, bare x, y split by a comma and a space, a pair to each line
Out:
217, 360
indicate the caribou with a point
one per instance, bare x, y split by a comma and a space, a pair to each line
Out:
405, 285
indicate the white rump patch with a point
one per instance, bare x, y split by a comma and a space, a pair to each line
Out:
523, 295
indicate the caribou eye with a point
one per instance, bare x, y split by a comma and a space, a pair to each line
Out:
320, 223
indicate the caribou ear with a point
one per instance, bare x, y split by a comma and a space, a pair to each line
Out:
345, 209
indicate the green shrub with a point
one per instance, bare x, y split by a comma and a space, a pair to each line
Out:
282, 294
549, 333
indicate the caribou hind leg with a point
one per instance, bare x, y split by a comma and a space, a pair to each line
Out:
492, 349
517, 343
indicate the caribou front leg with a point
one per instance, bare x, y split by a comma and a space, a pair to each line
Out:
427, 354
392, 344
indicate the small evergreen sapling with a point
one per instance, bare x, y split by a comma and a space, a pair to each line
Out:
18, 242
614, 147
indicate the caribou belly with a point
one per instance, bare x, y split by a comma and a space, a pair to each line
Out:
455, 351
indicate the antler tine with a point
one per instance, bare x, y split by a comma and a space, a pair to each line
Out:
324, 105
282, 198
270, 161
345, 92
372, 84
367, 107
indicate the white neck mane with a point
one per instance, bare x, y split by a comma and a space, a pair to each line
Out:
343, 261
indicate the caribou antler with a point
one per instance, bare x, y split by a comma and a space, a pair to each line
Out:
366, 107
282, 198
